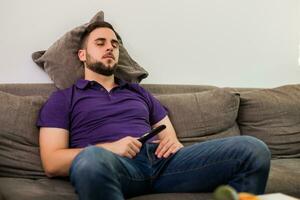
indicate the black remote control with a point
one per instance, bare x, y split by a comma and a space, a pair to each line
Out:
152, 133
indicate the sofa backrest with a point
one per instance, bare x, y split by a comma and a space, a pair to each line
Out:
198, 113
201, 116
45, 89
207, 122
273, 115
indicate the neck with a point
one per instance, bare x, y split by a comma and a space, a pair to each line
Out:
108, 82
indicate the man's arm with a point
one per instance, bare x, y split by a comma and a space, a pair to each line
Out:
55, 153
168, 141
57, 157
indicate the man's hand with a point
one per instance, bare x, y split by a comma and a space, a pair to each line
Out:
127, 146
167, 146
168, 142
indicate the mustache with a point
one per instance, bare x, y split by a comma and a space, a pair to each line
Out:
108, 55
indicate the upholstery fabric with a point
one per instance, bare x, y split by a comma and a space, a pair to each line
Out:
273, 115
19, 149
284, 177
62, 65
203, 115
45, 89
284, 174
59, 189
41, 189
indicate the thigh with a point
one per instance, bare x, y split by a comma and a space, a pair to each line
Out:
136, 180
200, 167
101, 167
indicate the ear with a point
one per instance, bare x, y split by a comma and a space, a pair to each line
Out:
82, 55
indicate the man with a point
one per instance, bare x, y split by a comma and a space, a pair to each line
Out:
90, 132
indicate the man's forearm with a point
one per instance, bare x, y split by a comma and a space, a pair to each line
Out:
169, 132
59, 162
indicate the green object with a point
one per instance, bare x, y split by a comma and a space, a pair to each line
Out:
225, 192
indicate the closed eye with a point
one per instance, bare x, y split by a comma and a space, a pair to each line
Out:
115, 44
101, 42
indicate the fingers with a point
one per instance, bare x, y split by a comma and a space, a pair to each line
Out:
137, 143
160, 146
130, 153
163, 148
167, 147
170, 151
173, 149
133, 147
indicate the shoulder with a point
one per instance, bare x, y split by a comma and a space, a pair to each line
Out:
62, 96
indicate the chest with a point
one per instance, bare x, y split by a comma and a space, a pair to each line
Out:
108, 105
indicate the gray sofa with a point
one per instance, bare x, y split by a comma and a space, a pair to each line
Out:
198, 113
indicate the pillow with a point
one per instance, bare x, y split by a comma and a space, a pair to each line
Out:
63, 66
19, 136
273, 115
204, 115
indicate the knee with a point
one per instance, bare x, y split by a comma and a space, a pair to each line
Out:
91, 161
257, 150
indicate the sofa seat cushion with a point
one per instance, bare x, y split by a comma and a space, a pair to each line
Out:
59, 189
284, 177
175, 196
19, 136
203, 115
273, 115
41, 189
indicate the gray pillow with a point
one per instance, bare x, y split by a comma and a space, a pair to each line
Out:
19, 136
273, 115
62, 65
203, 115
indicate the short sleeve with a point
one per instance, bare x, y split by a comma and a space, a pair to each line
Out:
156, 110
55, 112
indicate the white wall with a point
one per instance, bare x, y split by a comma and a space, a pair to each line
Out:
235, 43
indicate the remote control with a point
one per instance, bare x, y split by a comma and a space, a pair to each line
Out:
152, 133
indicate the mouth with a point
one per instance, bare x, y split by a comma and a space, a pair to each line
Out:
109, 56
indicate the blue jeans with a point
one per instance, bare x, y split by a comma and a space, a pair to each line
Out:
242, 162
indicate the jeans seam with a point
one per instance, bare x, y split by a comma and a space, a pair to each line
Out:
195, 169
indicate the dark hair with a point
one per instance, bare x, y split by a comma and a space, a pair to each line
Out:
92, 27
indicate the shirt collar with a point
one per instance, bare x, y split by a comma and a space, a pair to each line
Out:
82, 83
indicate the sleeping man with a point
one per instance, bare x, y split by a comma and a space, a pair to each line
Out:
90, 133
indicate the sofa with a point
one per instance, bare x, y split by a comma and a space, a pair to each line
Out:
198, 112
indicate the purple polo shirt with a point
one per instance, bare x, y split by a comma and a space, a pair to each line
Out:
93, 115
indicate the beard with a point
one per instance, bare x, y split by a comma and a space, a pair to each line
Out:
99, 67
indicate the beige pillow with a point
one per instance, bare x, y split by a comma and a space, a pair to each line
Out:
203, 115
61, 62
19, 136
273, 115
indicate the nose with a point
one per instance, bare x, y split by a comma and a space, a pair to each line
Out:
109, 47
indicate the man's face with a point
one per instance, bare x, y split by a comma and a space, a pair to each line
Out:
101, 54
